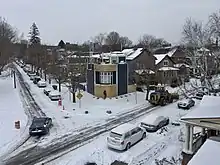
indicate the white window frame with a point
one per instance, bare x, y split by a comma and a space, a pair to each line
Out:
106, 77
165, 61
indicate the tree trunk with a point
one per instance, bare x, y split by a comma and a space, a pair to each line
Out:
74, 97
45, 76
148, 91
59, 85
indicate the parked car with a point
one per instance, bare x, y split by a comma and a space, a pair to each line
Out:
47, 91
124, 136
40, 126
153, 122
54, 95
199, 95
36, 79
30, 73
186, 104
41, 84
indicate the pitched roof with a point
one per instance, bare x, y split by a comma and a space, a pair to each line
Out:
159, 58
133, 53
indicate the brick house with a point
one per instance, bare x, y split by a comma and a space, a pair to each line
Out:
166, 73
140, 61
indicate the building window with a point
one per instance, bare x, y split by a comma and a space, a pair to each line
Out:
106, 77
165, 63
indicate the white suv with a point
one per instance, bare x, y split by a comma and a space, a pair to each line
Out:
123, 136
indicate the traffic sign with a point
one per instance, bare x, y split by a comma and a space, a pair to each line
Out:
79, 95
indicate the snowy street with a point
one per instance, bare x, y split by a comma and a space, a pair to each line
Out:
165, 143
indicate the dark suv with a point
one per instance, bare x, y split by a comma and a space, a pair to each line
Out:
40, 126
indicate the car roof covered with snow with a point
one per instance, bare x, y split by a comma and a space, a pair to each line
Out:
124, 128
152, 119
54, 93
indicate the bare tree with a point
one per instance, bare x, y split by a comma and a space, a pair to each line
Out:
113, 38
8, 36
214, 23
196, 34
125, 42
151, 42
99, 39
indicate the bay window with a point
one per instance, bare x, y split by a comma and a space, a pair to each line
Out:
106, 77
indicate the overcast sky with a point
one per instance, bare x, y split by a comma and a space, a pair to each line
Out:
79, 20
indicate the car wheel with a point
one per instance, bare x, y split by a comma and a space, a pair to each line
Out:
144, 135
128, 146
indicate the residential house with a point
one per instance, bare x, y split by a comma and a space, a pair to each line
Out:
178, 56
206, 116
140, 61
107, 75
166, 73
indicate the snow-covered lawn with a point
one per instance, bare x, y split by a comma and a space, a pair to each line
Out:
164, 145
11, 110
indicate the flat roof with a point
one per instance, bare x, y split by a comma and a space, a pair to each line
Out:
209, 108
207, 154
124, 128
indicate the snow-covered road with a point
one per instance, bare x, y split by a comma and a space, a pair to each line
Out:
164, 143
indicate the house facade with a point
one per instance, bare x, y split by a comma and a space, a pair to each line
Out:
107, 75
166, 73
140, 62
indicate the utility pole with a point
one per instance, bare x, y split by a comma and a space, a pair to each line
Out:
14, 79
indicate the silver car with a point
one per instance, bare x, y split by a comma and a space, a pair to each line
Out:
186, 104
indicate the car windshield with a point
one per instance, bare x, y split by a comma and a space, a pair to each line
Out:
115, 135
39, 121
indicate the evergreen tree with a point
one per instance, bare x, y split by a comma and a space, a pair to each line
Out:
62, 44
34, 35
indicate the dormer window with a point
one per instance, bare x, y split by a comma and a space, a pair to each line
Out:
165, 63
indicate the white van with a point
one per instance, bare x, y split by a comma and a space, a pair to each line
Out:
123, 136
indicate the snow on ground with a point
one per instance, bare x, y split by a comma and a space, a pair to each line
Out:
73, 116
11, 110
164, 145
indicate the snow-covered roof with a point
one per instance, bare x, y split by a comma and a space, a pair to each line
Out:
203, 50
208, 108
124, 128
180, 65
140, 71
166, 68
207, 154
159, 58
134, 54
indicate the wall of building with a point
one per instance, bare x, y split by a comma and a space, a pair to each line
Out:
110, 90
105, 67
122, 79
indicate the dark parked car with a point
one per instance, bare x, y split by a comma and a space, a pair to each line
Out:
199, 95
36, 79
186, 104
40, 126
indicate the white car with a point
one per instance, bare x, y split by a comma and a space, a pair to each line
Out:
41, 84
186, 104
54, 95
124, 136
152, 122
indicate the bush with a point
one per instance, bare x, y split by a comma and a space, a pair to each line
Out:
86, 112
119, 163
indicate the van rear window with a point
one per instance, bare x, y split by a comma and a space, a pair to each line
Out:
115, 135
